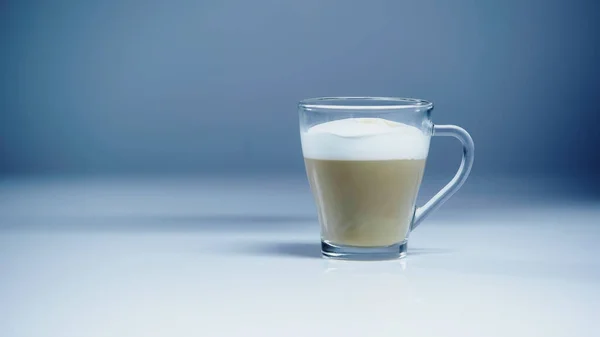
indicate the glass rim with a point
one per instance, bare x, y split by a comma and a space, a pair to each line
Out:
365, 103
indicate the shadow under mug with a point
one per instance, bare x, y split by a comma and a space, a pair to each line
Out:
365, 158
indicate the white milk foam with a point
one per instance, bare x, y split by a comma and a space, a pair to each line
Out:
364, 139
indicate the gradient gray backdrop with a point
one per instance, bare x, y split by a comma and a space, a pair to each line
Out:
114, 87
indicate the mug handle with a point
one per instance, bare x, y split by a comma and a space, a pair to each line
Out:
459, 178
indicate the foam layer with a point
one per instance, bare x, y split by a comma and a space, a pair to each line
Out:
364, 139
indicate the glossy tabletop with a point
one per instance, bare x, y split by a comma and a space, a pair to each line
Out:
240, 257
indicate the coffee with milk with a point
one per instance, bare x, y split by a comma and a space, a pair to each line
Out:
365, 175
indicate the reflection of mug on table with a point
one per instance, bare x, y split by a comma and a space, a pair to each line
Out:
395, 267
365, 159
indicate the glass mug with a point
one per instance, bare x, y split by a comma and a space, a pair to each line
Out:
365, 158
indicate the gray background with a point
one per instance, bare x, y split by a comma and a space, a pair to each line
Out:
202, 87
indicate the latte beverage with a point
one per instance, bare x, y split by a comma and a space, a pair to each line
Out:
364, 174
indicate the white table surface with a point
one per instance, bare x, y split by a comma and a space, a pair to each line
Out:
240, 257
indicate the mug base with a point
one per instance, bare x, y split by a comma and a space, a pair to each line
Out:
341, 252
